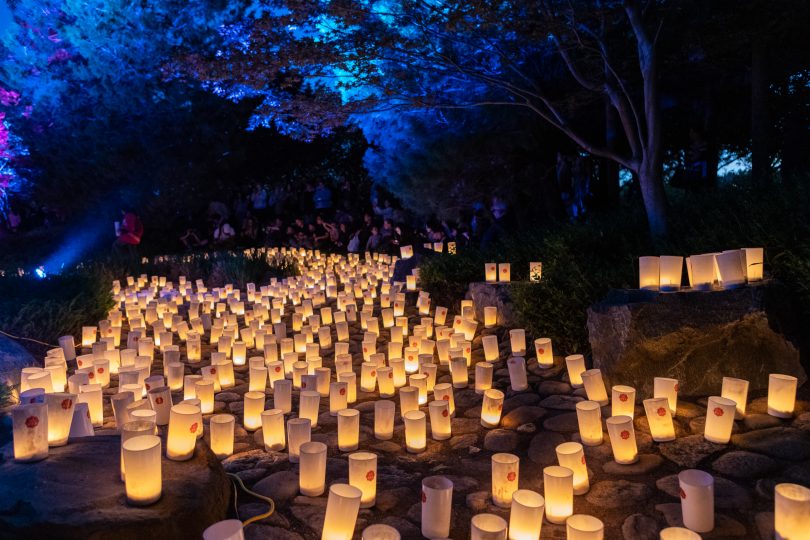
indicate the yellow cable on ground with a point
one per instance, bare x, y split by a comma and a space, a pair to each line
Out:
268, 500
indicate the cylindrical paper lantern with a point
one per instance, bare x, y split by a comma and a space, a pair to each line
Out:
526, 515
575, 364
385, 381
363, 475
558, 487
719, 420
668, 388
342, 507
490, 316
130, 430
697, 499
437, 505
791, 511
299, 431
517, 340
781, 395
348, 429
623, 402
68, 346
589, 419
439, 420
252, 412
368, 377
678, 533
517, 373
174, 375
350, 379
595, 386
380, 532
92, 395
204, 391
81, 426
491, 408
337, 397
60, 414
487, 527
408, 400
415, 431
505, 476
572, 456
185, 421
229, 529
222, 427
273, 431
622, 439
544, 351
384, 419
258, 379
30, 431
309, 403
160, 399
144, 479
737, 391
312, 469
397, 366
660, 420
584, 527
282, 395
444, 391
483, 377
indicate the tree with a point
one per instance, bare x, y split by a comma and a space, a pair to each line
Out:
319, 64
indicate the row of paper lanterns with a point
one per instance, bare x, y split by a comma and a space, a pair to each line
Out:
728, 269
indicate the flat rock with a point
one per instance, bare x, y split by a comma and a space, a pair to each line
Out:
727, 494
478, 501
743, 464
519, 400
640, 527
764, 523
522, 415
281, 486
778, 442
541, 449
501, 440
646, 464
689, 451
617, 493
460, 442
261, 532
565, 423
761, 421
549, 388
566, 403
388, 499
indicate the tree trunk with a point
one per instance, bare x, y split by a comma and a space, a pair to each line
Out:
652, 193
760, 161
610, 169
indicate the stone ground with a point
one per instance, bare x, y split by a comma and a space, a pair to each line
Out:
634, 501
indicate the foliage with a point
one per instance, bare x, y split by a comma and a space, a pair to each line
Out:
5, 394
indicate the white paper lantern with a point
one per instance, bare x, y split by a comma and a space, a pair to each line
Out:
623, 401
491, 408
342, 507
526, 515
791, 511
649, 270
518, 380
558, 487
229, 529
312, 469
221, 428
273, 432
505, 477
487, 527
584, 527
667, 388
299, 431
437, 505
697, 499
384, 419
60, 415
781, 395
415, 431
719, 419
622, 439
572, 456
144, 478
348, 429
678, 533
30, 432
575, 364
589, 420
659, 419
185, 421
363, 476
440, 425
595, 386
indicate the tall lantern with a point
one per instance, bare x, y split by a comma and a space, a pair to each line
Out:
558, 486
221, 428
415, 431
483, 377
253, 407
342, 508
648, 273
589, 420
517, 340
491, 408
384, 419
572, 456
575, 364
595, 386
60, 415
273, 432
299, 431
437, 506
348, 429
144, 478
526, 515
781, 395
544, 351
505, 477
312, 470
30, 431
659, 419
671, 271
622, 439
185, 421
363, 475
623, 401
697, 499
518, 380
737, 391
668, 388
791, 511
439, 420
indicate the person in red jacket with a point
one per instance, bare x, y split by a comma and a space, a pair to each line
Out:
129, 232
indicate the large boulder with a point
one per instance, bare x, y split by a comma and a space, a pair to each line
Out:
497, 295
695, 337
77, 493
13, 357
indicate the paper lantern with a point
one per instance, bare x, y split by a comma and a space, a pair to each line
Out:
697, 499
491, 408
648, 273
558, 489
77, 380
517, 340
791, 511
575, 364
185, 421
701, 271
282, 395
145, 414
222, 428
204, 391
160, 399
678, 533
487, 527
668, 388
81, 426
440, 424
491, 351
660, 420
88, 336
380, 532
351, 385
505, 477
258, 378
483, 377
363, 476
671, 270
348, 428
491, 272
595, 386
299, 431
754, 263
337, 397
589, 420
309, 403
273, 429
229, 529
458, 372
368, 377
60, 407
737, 391
781, 395
385, 381
544, 352
444, 391
623, 401
490, 316
68, 347
584, 527
130, 430
572, 456
504, 272
408, 400
30, 431
174, 375
312, 469
719, 419
253, 407
415, 431
224, 373
622, 439
437, 502
144, 479
342, 507
411, 357
42, 379
731, 267
526, 515
92, 395
299, 369
384, 419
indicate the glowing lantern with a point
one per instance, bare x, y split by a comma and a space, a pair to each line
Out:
81, 426
258, 378
222, 428
282, 395
504, 273
437, 502
544, 352
459, 373
731, 267
697, 499
229, 529
348, 429
491, 272
660, 419
558, 487
648, 273
385, 381
142, 462
439, 420
584, 527
368, 377
130, 430
595, 386
363, 476
160, 399
572, 456
337, 397
517, 339
483, 377
623, 401
92, 395
68, 347
204, 391
174, 375
737, 391
622, 439
487, 527
411, 357
701, 271
719, 419
526, 515
384, 419
380, 532
791, 511
342, 507
185, 421
88, 336
671, 271
299, 431
575, 364
753, 263
490, 316
677, 533
312, 469
444, 391
668, 388
491, 351
309, 402
781, 395
351, 385
30, 431
491, 408
408, 400
273, 430
253, 407
505, 476
415, 431
60, 414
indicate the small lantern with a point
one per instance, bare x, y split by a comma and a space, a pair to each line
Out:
363, 476
350, 379
668, 388
420, 381
754, 263
517, 373
526, 515
595, 386
410, 282
92, 395
437, 505
385, 381
671, 269
299, 431
791, 511
229, 529
544, 352
697, 499
309, 403
342, 507
440, 424
575, 364
572, 456
491, 272
174, 375
406, 252
384, 419
312, 469
504, 273
701, 271
505, 477
408, 400
622, 439
337, 397
273, 430
781, 395
517, 340
444, 391
487, 527
282, 395
490, 316
142, 462
458, 371
258, 379
68, 347
222, 429
737, 391
719, 419
204, 391
380, 532
185, 421
623, 401
731, 267
648, 273
415, 431
491, 352
60, 415
348, 429
130, 430
584, 527
483, 377
252, 412
88, 336
678, 533
30, 431
81, 426
491, 408
160, 399
558, 490
660, 419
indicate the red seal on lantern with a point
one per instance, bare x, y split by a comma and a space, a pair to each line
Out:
511, 476
446, 397
193, 427
100, 370
32, 422
159, 400
662, 411
278, 369
625, 434
342, 391
682, 493
622, 397
92, 375
676, 387
373, 373
424, 497
213, 371
583, 459
718, 411
370, 476
67, 403
445, 413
